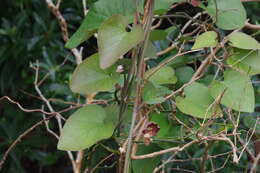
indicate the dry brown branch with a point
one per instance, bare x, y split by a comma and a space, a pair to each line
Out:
63, 26
58, 117
252, 26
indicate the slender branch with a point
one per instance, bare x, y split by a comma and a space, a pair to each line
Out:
140, 75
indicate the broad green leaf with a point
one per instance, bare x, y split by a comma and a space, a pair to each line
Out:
229, 14
243, 41
198, 102
246, 60
114, 41
154, 94
238, 91
164, 75
207, 39
84, 128
146, 165
98, 13
89, 77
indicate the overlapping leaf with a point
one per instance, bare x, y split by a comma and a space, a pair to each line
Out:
164, 75
228, 15
207, 39
89, 77
198, 102
245, 60
98, 13
237, 89
114, 41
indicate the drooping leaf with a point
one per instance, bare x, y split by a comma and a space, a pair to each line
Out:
198, 102
85, 127
207, 39
114, 41
245, 60
164, 75
154, 94
238, 91
243, 41
89, 77
146, 165
228, 15
99, 12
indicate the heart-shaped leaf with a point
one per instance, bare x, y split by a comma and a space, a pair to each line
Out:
85, 127
229, 14
198, 102
243, 41
245, 60
89, 77
164, 75
99, 12
207, 39
238, 91
114, 41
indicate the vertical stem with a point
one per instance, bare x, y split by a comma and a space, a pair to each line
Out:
140, 74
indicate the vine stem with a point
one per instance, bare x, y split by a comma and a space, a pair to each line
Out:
148, 15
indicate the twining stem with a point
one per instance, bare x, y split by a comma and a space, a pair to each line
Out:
139, 79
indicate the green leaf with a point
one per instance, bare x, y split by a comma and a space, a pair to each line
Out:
89, 77
207, 39
243, 41
229, 14
163, 122
84, 128
114, 41
184, 74
238, 91
154, 94
164, 4
146, 165
164, 75
198, 102
158, 34
245, 60
98, 13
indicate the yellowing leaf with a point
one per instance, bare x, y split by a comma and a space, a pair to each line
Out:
207, 39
